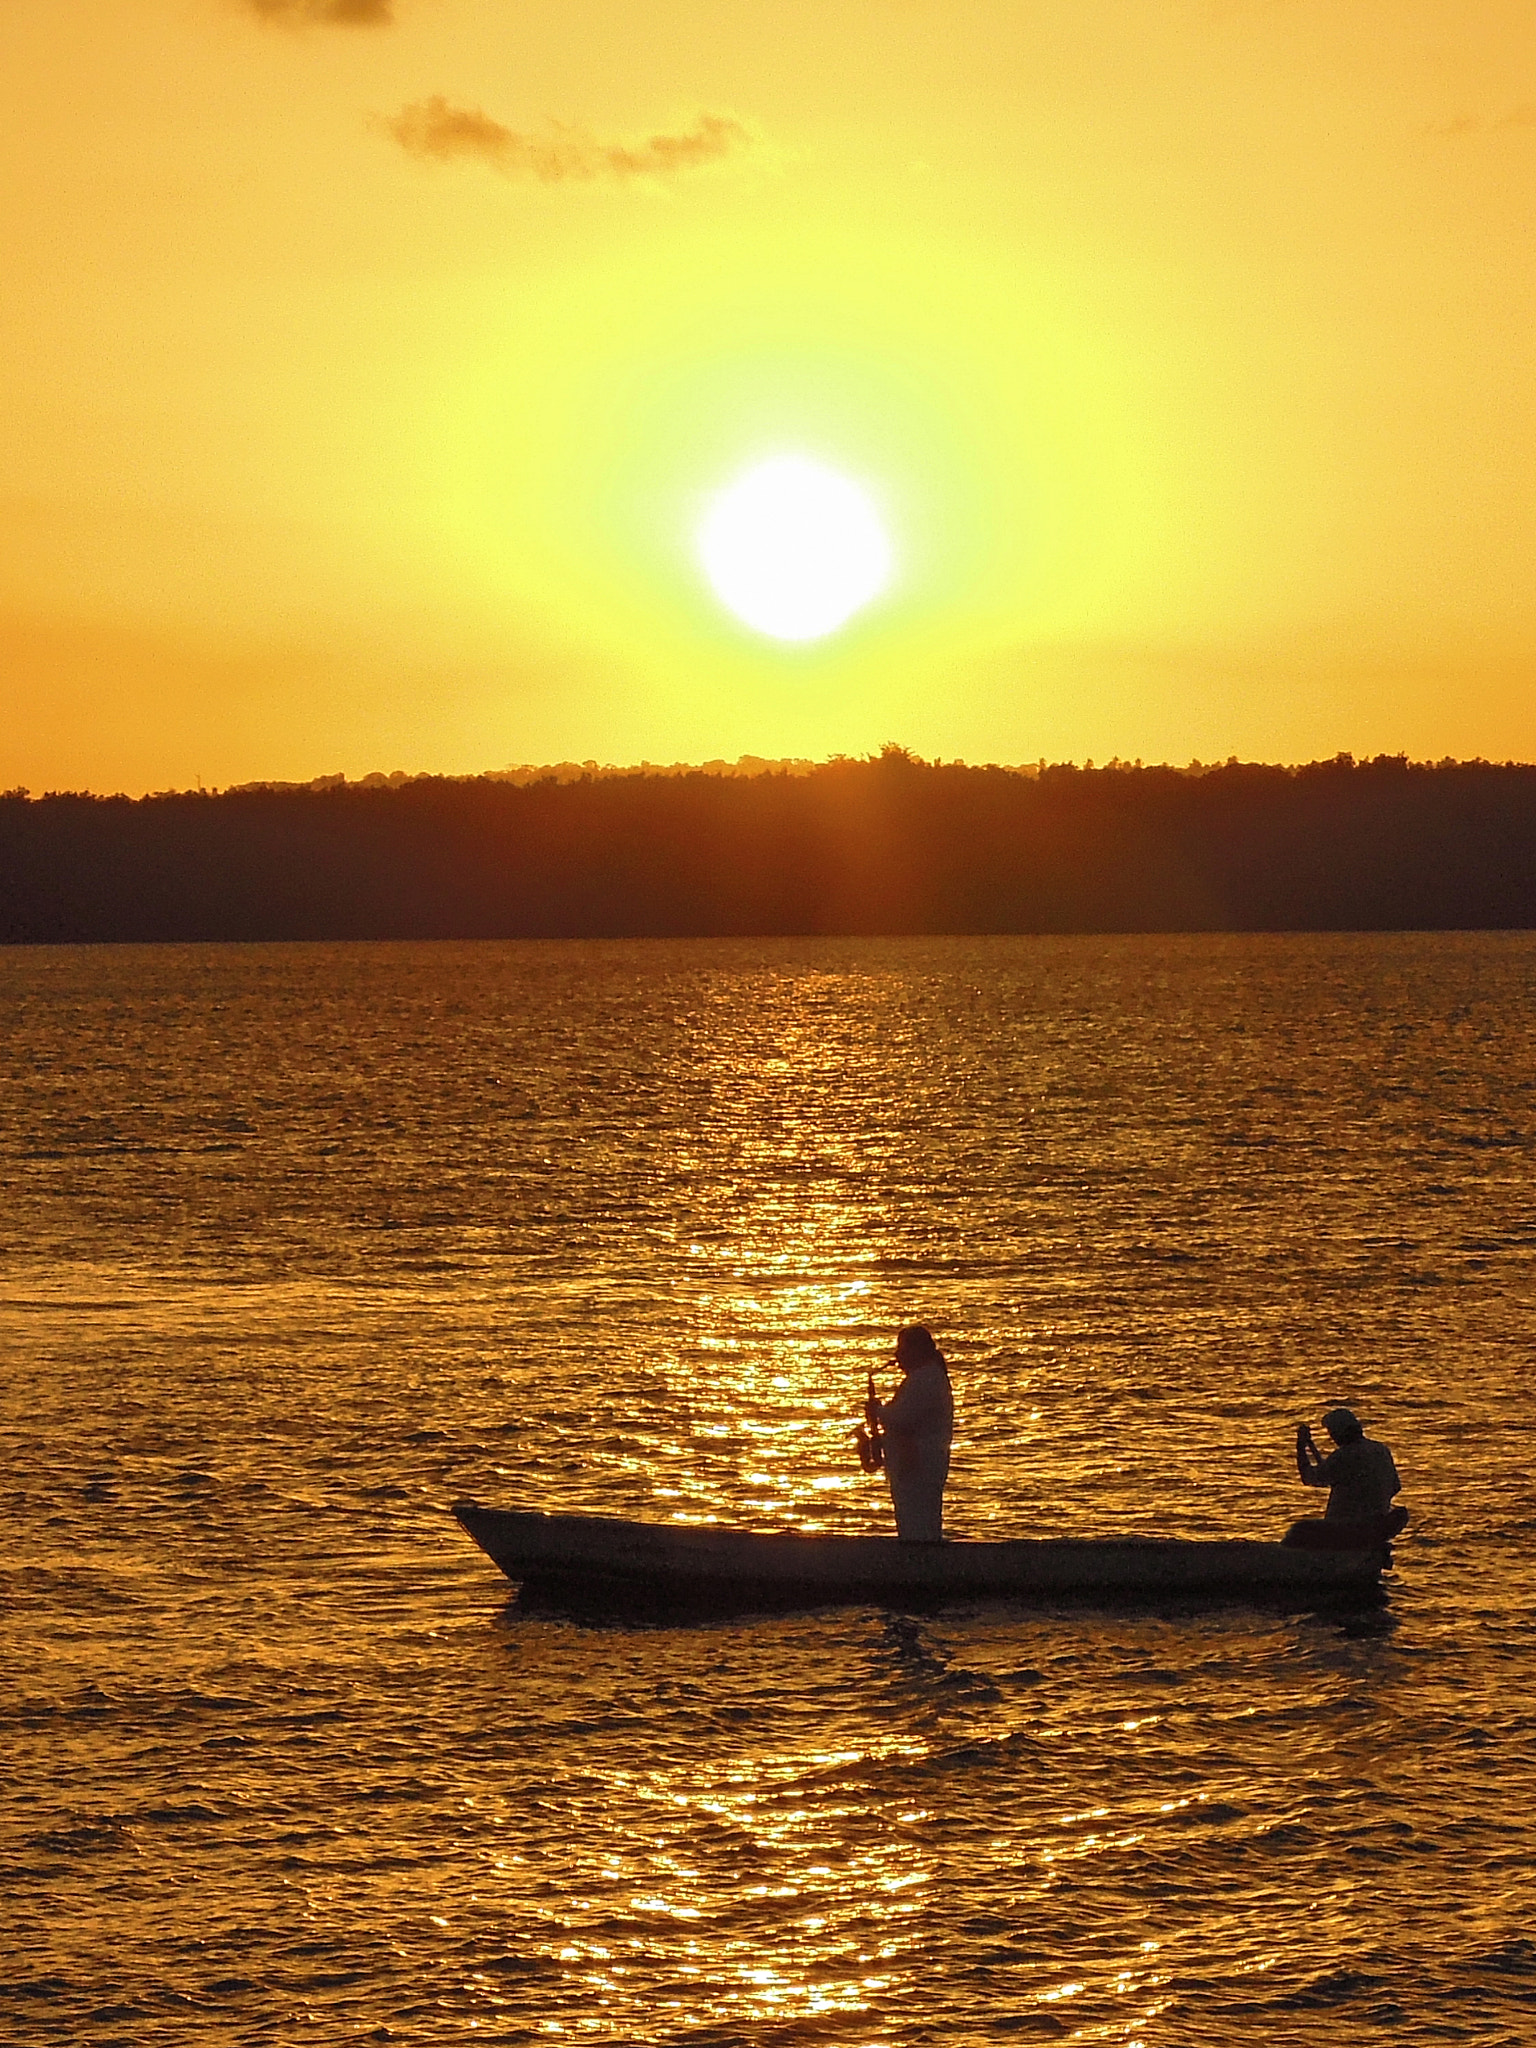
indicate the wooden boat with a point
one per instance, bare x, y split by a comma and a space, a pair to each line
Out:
597, 1558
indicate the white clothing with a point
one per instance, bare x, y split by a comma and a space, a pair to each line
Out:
918, 1423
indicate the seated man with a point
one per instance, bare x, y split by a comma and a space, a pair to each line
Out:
1361, 1480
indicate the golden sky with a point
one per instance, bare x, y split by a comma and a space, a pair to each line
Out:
369, 366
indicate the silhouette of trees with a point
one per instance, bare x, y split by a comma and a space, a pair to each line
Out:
890, 844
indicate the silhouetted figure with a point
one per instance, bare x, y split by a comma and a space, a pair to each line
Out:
1361, 1479
910, 1435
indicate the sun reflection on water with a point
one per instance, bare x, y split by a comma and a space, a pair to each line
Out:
785, 1304
756, 1884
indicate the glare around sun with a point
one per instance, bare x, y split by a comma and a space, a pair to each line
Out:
794, 549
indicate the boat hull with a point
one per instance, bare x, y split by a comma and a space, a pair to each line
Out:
598, 1557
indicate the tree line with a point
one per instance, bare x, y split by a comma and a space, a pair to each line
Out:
889, 844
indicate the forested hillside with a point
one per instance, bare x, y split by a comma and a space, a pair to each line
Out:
886, 845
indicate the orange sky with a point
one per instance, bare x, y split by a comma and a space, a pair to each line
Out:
369, 363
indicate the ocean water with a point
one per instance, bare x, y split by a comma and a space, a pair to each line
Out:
298, 1244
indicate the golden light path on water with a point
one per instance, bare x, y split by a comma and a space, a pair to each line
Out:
781, 1334
783, 1319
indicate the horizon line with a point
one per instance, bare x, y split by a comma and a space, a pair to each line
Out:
748, 767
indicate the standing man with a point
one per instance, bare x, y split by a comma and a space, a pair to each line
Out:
1361, 1479
910, 1434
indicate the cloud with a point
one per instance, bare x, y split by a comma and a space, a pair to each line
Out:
434, 129
1474, 124
339, 13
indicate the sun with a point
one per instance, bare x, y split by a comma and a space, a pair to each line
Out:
794, 549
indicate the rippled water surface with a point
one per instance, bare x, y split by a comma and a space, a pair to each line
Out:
300, 1243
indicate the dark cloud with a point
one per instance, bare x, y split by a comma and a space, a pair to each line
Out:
339, 13
433, 128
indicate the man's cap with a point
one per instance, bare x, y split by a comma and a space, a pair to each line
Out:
1339, 1421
